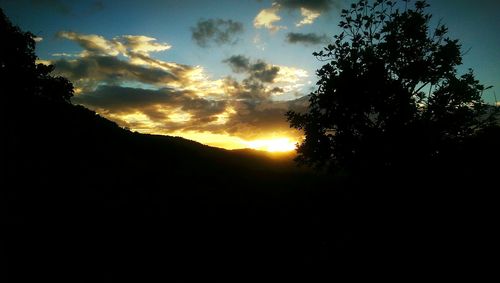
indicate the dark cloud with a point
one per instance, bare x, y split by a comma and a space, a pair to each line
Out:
91, 70
157, 105
99, 63
258, 70
125, 99
252, 122
238, 63
306, 38
277, 90
312, 5
263, 72
250, 90
218, 31
250, 119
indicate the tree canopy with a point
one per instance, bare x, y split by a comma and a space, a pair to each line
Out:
390, 92
20, 74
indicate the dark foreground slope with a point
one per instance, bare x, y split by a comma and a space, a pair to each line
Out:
86, 200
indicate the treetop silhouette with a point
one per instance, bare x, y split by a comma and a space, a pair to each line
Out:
20, 74
390, 93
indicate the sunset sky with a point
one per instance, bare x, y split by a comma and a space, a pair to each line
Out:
219, 72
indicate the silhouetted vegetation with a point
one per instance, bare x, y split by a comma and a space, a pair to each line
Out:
390, 94
85, 200
19, 72
392, 114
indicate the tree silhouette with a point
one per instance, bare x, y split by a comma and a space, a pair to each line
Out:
20, 75
390, 93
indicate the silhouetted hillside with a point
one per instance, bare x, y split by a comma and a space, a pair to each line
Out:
87, 200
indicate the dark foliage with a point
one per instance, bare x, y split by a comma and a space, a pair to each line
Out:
392, 115
390, 95
19, 73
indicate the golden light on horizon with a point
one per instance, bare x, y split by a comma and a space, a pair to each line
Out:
275, 142
272, 145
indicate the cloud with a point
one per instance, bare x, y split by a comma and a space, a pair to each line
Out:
99, 62
141, 44
318, 6
119, 79
128, 45
290, 75
267, 17
310, 10
261, 71
238, 63
169, 110
262, 80
93, 44
258, 70
248, 89
63, 54
306, 38
217, 31
255, 120
164, 109
309, 17
90, 71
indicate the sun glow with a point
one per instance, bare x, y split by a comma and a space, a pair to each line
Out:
278, 144
272, 145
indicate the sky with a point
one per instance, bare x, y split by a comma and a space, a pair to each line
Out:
222, 73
